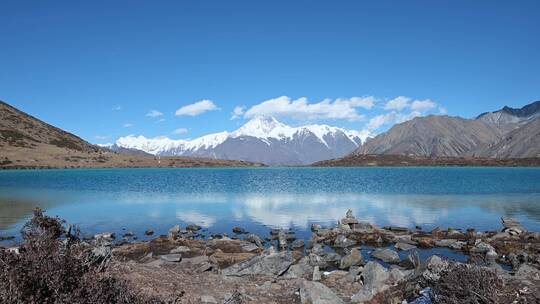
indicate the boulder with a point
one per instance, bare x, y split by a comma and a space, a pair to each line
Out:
149, 232
353, 258
207, 299
482, 247
434, 267
106, 236
250, 247
238, 230
404, 246
180, 249
317, 293
174, 232
268, 263
193, 227
386, 255
253, 238
343, 242
298, 244
282, 239
316, 274
173, 258
300, 270
374, 275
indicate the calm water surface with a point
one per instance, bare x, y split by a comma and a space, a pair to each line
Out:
256, 199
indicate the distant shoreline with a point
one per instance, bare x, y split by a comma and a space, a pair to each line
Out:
419, 161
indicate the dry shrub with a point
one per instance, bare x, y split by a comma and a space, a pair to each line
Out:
464, 284
51, 268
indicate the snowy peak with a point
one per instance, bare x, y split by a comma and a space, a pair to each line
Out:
261, 139
264, 127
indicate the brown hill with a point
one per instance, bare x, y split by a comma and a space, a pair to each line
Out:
432, 136
27, 142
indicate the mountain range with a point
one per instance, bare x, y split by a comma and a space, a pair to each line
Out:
505, 137
27, 142
262, 139
506, 133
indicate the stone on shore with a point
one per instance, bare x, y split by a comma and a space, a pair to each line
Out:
297, 244
253, 238
404, 246
354, 258
238, 230
317, 293
267, 263
343, 242
174, 232
316, 274
172, 258
193, 227
386, 255
149, 232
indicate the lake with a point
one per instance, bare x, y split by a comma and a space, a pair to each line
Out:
257, 199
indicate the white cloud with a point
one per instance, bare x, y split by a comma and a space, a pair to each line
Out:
127, 125
101, 137
301, 109
390, 118
423, 105
399, 103
180, 131
237, 112
154, 114
442, 110
197, 108
117, 108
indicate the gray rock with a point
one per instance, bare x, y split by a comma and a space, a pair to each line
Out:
300, 270
193, 227
149, 232
250, 247
238, 230
331, 257
180, 249
282, 239
317, 293
527, 272
298, 244
482, 247
106, 236
404, 246
353, 273
206, 299
174, 232
268, 263
315, 227
374, 275
386, 255
316, 274
343, 242
317, 260
253, 238
450, 243
434, 267
173, 258
354, 258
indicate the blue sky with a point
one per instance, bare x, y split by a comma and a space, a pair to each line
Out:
98, 68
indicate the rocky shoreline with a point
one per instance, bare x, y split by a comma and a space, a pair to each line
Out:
332, 266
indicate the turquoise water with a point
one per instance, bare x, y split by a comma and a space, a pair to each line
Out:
259, 199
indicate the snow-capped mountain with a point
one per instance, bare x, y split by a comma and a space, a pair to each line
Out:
262, 139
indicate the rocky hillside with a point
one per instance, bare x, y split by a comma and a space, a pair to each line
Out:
521, 142
432, 136
18, 129
27, 142
506, 133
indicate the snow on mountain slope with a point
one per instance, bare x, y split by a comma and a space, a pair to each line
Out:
263, 139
